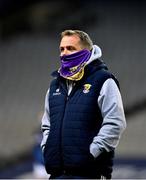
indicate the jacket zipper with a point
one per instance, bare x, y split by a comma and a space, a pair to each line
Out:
61, 131
61, 137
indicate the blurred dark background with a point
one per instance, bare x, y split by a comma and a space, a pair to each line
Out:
29, 37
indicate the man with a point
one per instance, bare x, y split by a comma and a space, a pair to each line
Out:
84, 116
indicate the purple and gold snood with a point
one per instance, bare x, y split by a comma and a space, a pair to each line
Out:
72, 65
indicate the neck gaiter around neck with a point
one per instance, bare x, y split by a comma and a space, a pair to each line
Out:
72, 65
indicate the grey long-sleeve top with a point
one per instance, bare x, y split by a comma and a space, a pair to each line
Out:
111, 106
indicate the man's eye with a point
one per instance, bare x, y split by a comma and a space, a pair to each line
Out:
71, 48
61, 49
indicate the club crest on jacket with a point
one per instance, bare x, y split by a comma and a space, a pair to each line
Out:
86, 88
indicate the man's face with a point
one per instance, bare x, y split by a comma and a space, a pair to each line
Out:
69, 45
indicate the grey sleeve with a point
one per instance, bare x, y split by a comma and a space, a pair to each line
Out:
114, 123
45, 126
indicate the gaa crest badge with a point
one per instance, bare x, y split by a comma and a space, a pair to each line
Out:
86, 88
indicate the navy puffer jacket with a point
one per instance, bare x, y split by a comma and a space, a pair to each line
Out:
75, 121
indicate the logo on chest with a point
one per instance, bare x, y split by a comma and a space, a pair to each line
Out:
57, 92
87, 88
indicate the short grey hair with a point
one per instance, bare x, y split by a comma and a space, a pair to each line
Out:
85, 40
